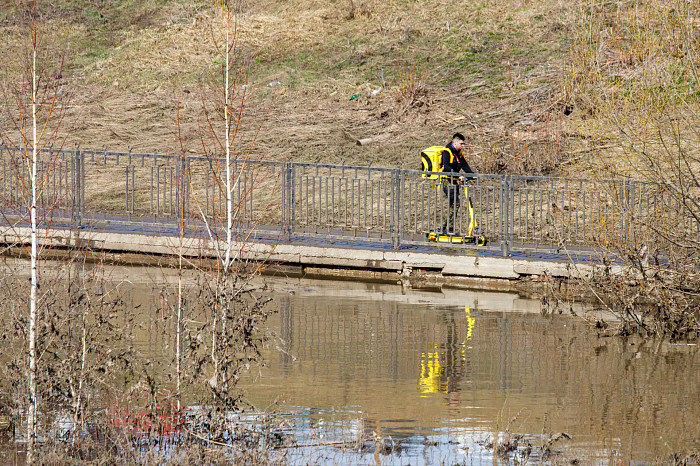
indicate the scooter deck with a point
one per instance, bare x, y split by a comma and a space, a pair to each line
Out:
434, 237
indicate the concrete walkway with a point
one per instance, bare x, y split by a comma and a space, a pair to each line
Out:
303, 257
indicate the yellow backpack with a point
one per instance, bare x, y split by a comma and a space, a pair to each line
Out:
431, 160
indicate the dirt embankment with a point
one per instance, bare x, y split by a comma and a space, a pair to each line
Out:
420, 71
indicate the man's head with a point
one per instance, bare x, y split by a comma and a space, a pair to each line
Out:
458, 141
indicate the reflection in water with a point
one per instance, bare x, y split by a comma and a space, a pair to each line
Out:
444, 366
438, 374
443, 379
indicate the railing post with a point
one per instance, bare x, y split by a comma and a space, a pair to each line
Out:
401, 206
506, 227
82, 186
287, 200
511, 213
396, 208
632, 206
180, 189
78, 176
628, 209
186, 194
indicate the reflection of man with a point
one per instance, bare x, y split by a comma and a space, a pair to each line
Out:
453, 161
441, 368
470, 326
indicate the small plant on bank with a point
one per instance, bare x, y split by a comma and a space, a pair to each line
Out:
411, 88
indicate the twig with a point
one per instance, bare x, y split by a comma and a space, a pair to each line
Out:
320, 444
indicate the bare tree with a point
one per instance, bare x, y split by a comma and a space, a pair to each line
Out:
68, 320
217, 310
33, 104
76, 331
231, 124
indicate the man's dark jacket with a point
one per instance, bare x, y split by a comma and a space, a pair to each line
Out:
457, 163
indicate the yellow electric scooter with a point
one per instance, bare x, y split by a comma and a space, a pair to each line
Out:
472, 235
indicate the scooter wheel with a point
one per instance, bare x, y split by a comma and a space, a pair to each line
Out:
481, 240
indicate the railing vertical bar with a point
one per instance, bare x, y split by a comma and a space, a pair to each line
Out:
292, 201
334, 220
510, 214
152, 188
304, 197
374, 222
522, 235
82, 186
581, 226
168, 189
325, 203
160, 190
354, 221
126, 189
56, 191
208, 206
248, 194
402, 211
363, 209
537, 223
4, 174
409, 206
65, 180
133, 189
179, 188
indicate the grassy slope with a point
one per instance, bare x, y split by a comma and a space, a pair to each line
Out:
484, 68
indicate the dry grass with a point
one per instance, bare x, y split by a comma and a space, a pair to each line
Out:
482, 67
529, 84
626, 88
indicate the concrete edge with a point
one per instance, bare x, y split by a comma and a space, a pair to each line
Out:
405, 264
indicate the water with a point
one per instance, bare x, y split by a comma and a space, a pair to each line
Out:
365, 373
439, 377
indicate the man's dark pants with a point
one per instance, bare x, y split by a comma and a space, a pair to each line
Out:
451, 191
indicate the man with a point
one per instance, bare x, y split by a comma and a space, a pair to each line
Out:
453, 161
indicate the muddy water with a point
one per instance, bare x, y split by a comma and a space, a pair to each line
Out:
442, 376
383, 374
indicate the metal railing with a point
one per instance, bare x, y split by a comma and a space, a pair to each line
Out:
394, 206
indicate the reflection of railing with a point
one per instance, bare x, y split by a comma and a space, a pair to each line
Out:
301, 199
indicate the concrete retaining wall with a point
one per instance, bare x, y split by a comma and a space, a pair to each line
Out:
395, 263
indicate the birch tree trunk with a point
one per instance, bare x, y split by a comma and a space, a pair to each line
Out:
31, 413
229, 188
178, 324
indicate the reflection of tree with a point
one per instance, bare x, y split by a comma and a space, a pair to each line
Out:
442, 368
